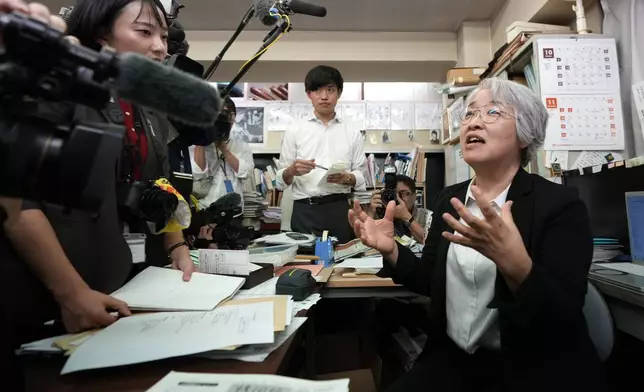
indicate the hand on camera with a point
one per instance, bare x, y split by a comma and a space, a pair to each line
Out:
222, 145
36, 11
376, 201
401, 212
375, 233
302, 166
86, 309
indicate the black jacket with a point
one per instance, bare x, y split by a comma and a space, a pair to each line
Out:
544, 337
93, 243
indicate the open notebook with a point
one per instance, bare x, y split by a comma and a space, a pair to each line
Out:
163, 289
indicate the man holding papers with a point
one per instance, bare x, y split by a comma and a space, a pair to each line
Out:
322, 158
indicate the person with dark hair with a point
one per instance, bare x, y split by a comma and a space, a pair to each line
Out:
61, 264
221, 167
314, 145
409, 219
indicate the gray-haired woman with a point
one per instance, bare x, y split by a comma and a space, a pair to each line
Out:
506, 265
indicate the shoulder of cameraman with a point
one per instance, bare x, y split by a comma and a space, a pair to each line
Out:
55, 112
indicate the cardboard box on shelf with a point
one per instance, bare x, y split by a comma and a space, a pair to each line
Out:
464, 76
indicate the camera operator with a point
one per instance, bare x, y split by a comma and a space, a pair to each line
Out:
221, 167
409, 219
10, 210
75, 258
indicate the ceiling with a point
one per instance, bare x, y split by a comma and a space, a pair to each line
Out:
342, 15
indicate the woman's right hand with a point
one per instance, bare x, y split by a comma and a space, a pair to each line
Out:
377, 234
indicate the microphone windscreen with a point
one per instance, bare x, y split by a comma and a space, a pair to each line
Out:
263, 12
304, 8
184, 97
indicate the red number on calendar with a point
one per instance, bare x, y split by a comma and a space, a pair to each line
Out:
548, 53
551, 103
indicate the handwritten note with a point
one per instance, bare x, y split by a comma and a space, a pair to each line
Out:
378, 115
428, 115
279, 115
155, 336
402, 115
355, 112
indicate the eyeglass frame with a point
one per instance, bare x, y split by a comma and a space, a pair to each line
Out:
478, 112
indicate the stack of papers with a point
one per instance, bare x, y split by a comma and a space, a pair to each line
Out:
284, 239
154, 336
254, 205
163, 289
268, 289
272, 215
176, 381
258, 352
605, 249
350, 249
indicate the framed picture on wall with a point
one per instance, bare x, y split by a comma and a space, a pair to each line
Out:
454, 116
445, 129
250, 123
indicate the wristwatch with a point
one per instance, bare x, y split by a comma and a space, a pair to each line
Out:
409, 222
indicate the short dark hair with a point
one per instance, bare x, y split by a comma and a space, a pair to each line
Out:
91, 20
229, 105
411, 184
321, 76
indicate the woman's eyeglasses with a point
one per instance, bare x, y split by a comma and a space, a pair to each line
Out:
488, 114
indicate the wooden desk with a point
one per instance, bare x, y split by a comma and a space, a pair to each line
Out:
44, 374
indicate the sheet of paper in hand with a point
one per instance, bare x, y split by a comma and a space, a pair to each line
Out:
336, 168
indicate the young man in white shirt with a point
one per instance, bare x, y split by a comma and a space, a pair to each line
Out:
313, 144
221, 167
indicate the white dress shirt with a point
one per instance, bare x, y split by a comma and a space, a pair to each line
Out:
339, 141
470, 288
209, 183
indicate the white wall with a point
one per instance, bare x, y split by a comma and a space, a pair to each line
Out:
474, 44
328, 46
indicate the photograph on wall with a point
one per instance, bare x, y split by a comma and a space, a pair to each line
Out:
433, 137
250, 124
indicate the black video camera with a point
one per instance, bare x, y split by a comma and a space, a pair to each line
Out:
389, 192
148, 201
200, 136
226, 214
39, 159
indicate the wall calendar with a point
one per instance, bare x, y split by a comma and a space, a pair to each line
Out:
579, 85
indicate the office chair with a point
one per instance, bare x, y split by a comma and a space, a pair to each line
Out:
600, 322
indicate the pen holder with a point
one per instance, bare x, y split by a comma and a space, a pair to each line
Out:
324, 250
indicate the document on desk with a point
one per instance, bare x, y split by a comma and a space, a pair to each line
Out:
257, 352
223, 261
198, 382
154, 336
163, 289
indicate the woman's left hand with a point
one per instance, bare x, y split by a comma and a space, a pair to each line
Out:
496, 236
185, 265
